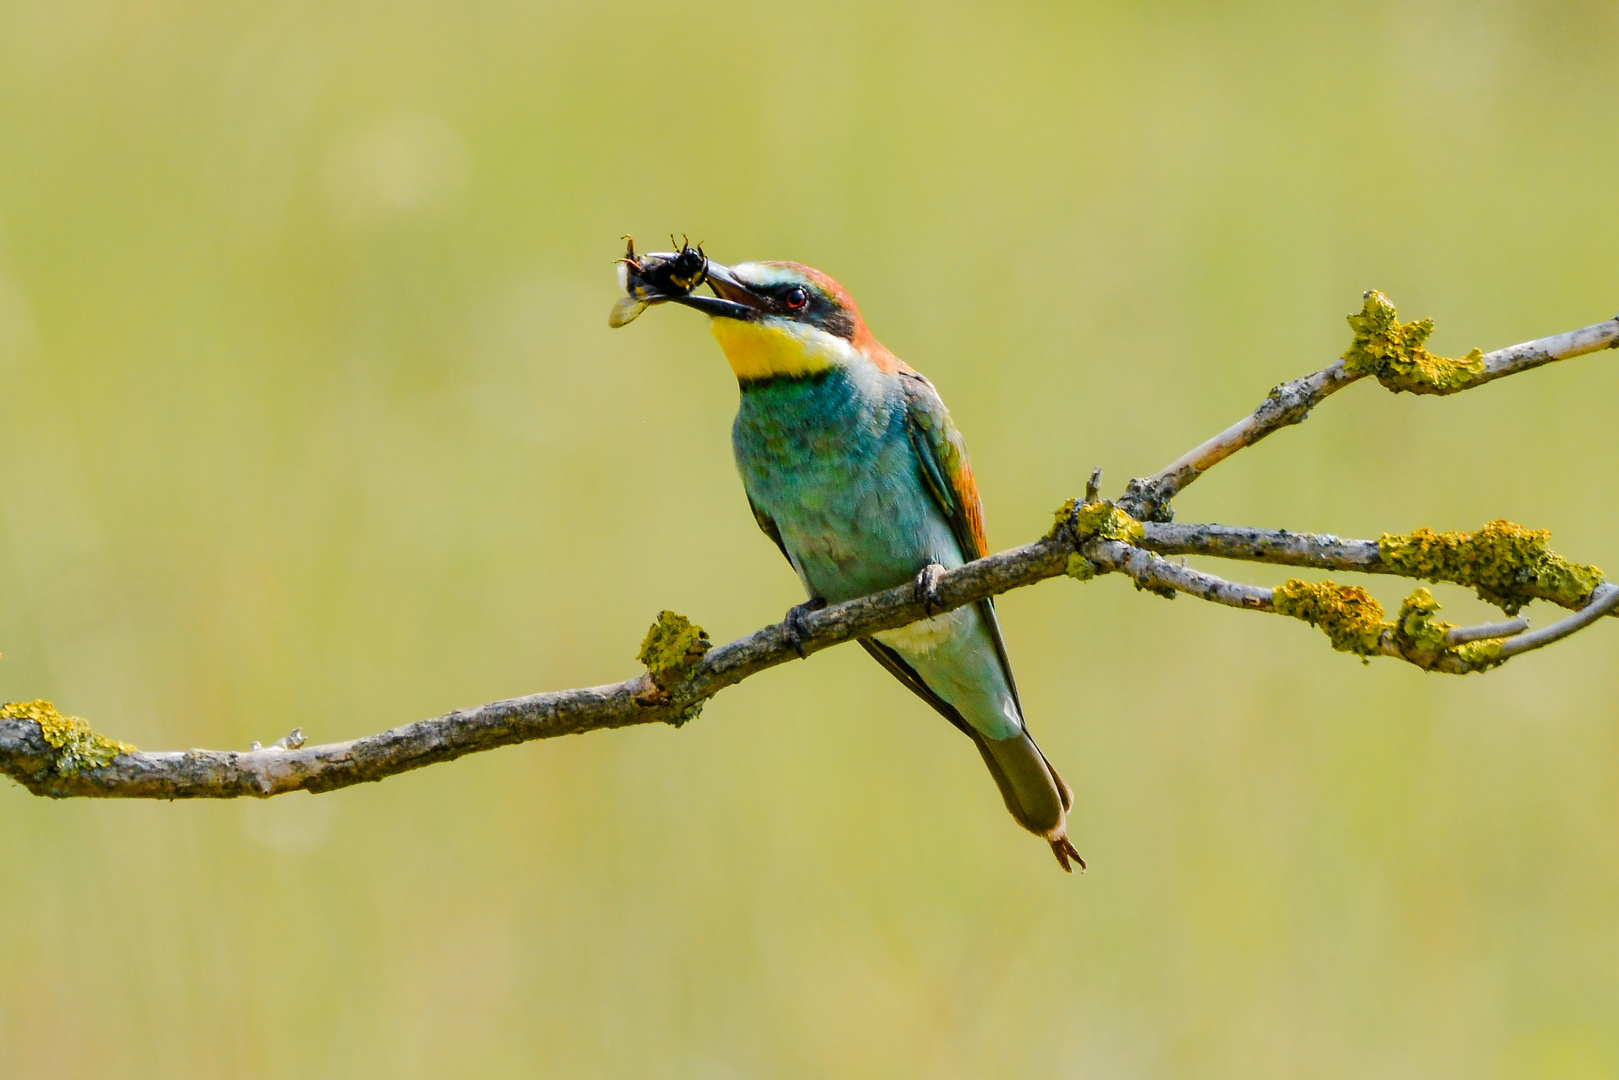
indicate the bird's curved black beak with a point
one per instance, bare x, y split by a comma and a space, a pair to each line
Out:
732, 298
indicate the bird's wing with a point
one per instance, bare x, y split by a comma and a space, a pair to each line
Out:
767, 525
948, 476
897, 667
945, 469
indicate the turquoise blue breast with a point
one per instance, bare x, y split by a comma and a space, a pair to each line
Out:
828, 458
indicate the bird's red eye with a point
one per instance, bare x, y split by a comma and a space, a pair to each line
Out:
796, 298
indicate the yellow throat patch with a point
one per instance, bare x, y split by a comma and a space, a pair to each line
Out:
760, 351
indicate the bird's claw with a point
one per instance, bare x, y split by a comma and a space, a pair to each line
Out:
794, 623
927, 588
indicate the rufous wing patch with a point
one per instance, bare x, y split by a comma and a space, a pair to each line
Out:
972, 509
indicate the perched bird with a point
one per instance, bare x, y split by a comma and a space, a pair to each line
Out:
853, 467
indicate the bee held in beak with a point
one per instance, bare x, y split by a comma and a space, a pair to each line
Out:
655, 278
663, 276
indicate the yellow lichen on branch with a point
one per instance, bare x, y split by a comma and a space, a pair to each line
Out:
1392, 352
1353, 620
1099, 519
1421, 638
1507, 564
1350, 616
672, 647
1419, 632
77, 745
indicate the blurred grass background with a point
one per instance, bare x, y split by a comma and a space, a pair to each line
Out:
311, 417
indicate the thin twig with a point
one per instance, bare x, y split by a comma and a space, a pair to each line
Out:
1604, 599
1532, 354
1157, 575
1093, 486
1148, 497
1282, 547
1461, 635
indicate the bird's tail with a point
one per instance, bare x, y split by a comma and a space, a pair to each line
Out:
1036, 796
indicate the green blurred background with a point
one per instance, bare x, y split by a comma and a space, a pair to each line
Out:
311, 417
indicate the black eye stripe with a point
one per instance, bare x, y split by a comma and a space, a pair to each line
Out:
817, 310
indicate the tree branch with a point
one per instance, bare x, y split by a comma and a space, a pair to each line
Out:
1147, 498
1357, 624
1323, 551
31, 760
59, 756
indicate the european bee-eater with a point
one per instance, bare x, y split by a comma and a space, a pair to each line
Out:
853, 467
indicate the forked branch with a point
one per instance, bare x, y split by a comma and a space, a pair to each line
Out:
59, 756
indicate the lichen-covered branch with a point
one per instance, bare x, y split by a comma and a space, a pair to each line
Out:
1506, 564
1384, 348
1351, 617
61, 756
1392, 352
685, 674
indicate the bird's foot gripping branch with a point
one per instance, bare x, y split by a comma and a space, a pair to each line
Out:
1506, 564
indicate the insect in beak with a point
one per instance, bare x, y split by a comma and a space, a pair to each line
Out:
656, 278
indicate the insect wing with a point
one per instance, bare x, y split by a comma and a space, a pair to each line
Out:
625, 311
